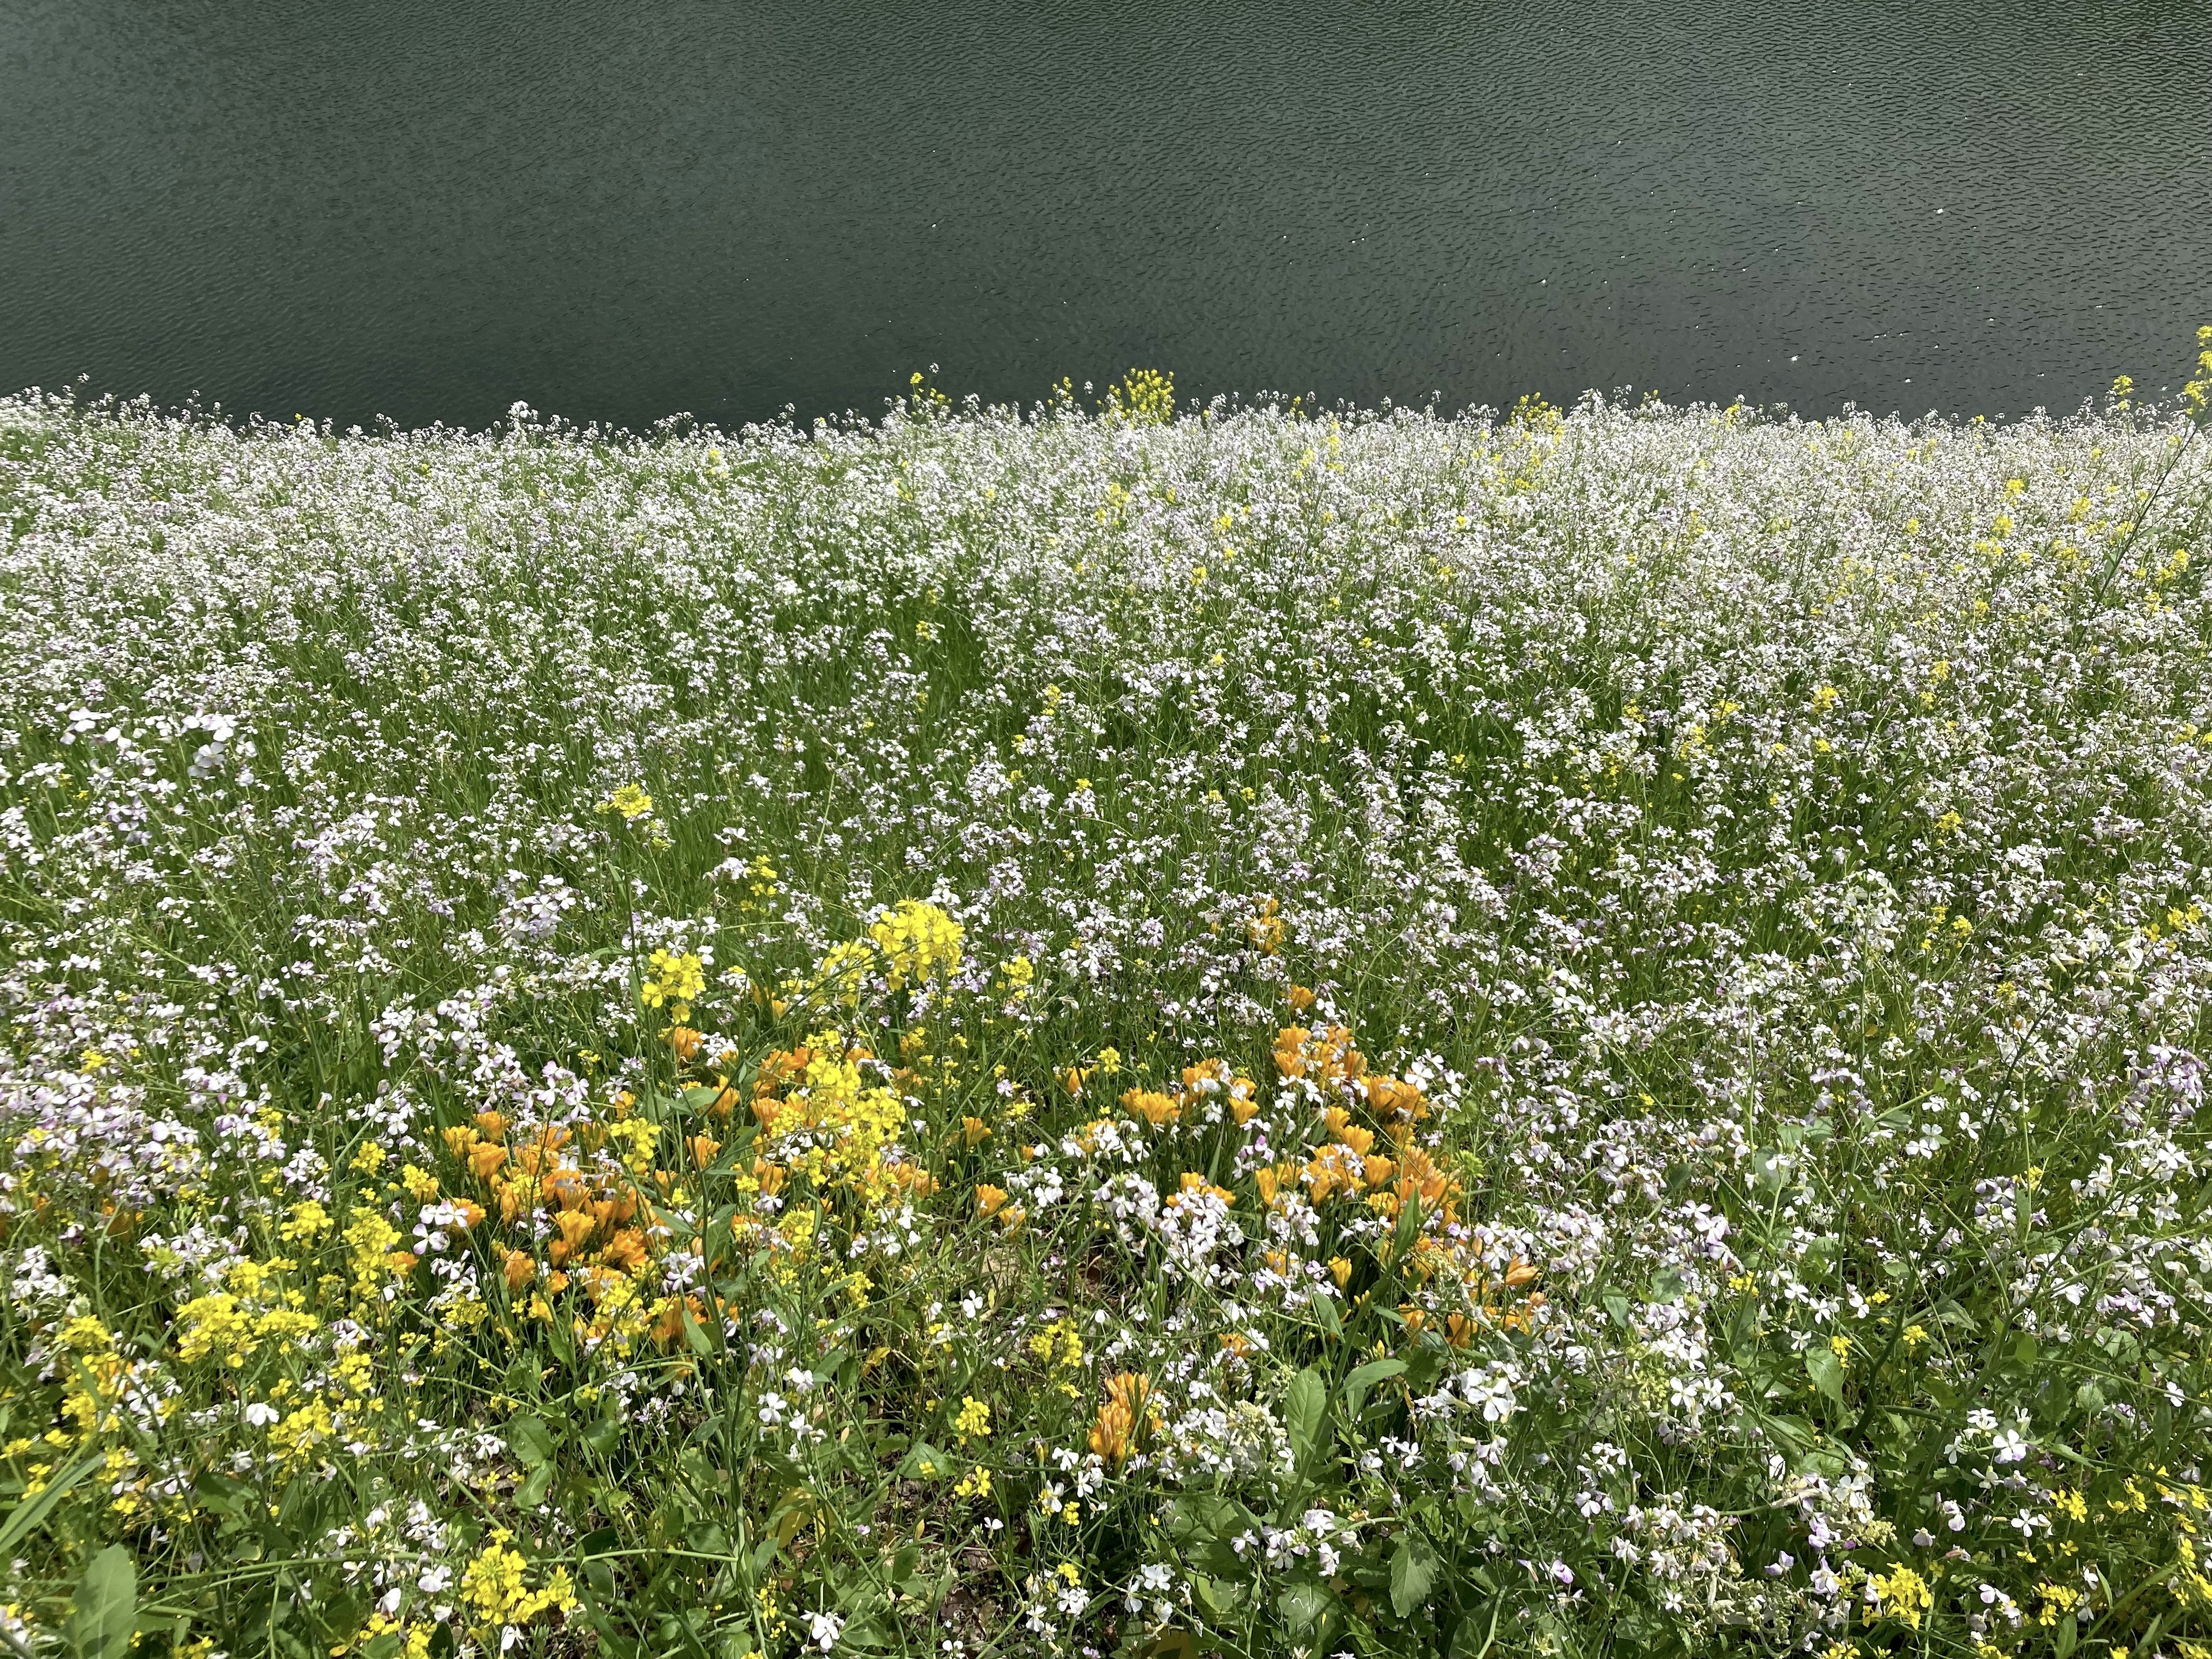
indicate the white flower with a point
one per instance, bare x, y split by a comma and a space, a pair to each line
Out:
823, 1629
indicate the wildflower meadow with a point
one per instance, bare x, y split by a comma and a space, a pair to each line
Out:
1107, 1031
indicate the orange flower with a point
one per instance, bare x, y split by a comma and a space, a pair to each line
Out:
1125, 1418
519, 1270
1345, 1133
703, 1148
974, 1131
989, 1201
1193, 1183
1155, 1107
685, 1042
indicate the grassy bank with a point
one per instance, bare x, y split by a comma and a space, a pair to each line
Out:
1105, 1033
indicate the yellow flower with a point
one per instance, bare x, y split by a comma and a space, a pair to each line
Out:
630, 800
84, 1333
1904, 1595
297, 1435
919, 941
211, 1325
493, 1588
974, 1420
676, 978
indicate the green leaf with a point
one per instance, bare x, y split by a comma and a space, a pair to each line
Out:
1219, 1600
33, 1510
1826, 1367
105, 1610
925, 1462
904, 1565
1365, 1377
2069, 1632
1324, 1310
1304, 1409
1306, 1608
1413, 1574
530, 1440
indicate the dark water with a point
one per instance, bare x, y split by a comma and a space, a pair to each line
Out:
619, 209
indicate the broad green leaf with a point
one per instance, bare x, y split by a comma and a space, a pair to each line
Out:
1304, 1408
530, 1440
923, 1462
1365, 1377
1306, 1608
1219, 1600
1826, 1367
105, 1610
1413, 1574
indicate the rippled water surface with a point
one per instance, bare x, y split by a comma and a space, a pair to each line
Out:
618, 208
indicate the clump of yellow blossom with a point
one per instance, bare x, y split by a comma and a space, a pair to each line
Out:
919, 942
630, 800
676, 978
494, 1590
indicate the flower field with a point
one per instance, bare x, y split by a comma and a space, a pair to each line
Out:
1106, 1033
